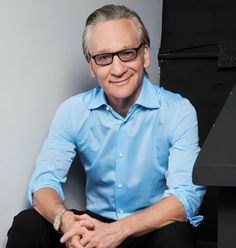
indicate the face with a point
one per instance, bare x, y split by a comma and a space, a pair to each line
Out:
121, 81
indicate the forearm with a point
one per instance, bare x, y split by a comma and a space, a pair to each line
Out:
48, 203
112, 234
167, 211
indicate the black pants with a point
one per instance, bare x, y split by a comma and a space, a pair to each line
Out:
31, 230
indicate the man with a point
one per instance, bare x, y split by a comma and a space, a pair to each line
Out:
137, 143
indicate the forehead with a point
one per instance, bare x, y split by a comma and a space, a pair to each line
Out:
113, 35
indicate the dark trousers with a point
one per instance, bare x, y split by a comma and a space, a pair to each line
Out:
31, 230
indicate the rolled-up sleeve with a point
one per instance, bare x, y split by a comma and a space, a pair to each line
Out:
184, 150
56, 155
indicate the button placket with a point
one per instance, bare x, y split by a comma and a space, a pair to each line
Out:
119, 186
119, 172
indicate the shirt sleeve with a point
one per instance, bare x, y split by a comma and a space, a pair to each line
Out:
56, 155
184, 150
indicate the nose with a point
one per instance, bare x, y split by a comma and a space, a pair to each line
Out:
118, 67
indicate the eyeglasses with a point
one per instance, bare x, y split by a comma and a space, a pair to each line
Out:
124, 55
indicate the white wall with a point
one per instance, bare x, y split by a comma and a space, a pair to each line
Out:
41, 64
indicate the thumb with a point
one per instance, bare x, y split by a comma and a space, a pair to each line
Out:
83, 217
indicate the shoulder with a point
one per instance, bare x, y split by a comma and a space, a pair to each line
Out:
176, 110
174, 101
75, 107
81, 99
79, 102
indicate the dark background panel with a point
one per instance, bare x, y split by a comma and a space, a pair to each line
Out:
202, 83
198, 60
195, 22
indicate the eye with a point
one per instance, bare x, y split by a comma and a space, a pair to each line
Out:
103, 58
127, 54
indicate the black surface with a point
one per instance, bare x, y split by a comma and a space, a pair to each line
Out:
197, 60
192, 23
226, 217
216, 163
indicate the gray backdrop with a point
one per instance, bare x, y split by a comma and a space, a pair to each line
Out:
41, 64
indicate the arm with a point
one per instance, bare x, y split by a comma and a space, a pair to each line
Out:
56, 156
183, 152
48, 203
165, 212
110, 235
45, 188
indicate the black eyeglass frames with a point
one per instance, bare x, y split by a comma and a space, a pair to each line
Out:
125, 55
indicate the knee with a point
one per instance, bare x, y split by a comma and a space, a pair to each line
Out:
26, 222
175, 235
30, 229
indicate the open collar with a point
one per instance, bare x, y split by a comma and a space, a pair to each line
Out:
147, 97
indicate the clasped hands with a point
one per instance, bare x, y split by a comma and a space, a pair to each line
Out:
83, 231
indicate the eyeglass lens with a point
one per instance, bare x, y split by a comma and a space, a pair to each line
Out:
124, 55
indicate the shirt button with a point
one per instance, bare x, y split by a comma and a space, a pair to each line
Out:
119, 186
107, 108
120, 155
121, 211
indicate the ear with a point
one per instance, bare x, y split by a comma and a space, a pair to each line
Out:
92, 72
146, 57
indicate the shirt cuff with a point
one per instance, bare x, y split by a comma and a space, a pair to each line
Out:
195, 220
41, 186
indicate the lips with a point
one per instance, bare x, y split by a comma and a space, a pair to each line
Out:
120, 82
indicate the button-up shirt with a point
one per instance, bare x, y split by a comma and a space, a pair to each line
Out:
130, 162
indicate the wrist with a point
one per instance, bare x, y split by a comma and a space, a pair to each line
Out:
58, 219
122, 229
66, 220
128, 226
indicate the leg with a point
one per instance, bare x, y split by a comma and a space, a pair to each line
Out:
31, 230
175, 235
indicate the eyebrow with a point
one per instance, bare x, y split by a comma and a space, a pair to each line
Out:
105, 51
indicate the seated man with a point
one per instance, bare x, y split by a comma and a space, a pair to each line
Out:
137, 142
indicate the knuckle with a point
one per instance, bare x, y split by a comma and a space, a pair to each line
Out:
74, 241
81, 223
85, 216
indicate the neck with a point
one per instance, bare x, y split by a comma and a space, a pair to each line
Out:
121, 106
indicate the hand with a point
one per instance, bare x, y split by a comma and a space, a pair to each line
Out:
104, 235
72, 222
74, 242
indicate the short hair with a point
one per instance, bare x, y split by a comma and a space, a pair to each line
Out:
112, 12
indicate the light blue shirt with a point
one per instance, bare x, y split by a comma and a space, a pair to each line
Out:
130, 163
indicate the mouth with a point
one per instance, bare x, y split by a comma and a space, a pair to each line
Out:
120, 82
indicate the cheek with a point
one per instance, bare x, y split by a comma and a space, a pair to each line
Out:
99, 73
92, 71
102, 77
103, 72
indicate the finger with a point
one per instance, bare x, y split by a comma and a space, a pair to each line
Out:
68, 245
87, 223
75, 239
71, 233
75, 242
83, 217
84, 241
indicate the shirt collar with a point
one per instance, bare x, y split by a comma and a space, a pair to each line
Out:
98, 99
147, 98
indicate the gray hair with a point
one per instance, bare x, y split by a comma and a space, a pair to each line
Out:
112, 12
